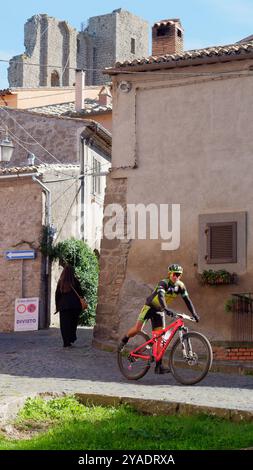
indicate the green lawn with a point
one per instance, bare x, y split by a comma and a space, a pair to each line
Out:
64, 423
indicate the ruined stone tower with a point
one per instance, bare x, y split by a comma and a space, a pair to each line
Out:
53, 49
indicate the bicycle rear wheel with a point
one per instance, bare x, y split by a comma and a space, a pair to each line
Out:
135, 368
191, 361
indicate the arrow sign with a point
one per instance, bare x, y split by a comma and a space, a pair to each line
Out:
21, 254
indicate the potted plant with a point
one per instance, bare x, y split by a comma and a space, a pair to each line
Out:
219, 277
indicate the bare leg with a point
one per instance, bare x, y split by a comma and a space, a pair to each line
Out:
135, 329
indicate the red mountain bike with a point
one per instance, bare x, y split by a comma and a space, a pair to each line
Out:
190, 357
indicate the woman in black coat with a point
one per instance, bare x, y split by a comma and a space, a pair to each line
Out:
68, 304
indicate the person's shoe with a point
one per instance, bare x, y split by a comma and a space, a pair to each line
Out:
161, 370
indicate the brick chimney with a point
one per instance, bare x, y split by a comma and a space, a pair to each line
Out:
104, 96
167, 37
79, 90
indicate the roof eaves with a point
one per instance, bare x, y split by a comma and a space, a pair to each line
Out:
36, 169
193, 57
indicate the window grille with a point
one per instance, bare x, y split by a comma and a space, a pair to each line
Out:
242, 309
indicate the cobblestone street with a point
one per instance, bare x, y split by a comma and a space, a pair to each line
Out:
33, 362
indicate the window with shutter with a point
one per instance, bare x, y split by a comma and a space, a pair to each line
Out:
221, 242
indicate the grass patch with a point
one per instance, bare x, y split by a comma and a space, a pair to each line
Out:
64, 423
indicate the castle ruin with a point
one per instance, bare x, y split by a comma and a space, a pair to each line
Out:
54, 49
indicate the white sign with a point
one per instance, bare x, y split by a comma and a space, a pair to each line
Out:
26, 314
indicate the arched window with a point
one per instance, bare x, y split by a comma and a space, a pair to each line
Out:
55, 78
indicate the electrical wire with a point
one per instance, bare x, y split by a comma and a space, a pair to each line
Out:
54, 170
64, 221
48, 66
61, 195
30, 135
129, 72
21, 142
57, 172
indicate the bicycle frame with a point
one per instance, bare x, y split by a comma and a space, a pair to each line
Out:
158, 349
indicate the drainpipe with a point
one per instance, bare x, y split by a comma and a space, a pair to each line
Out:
48, 224
48, 200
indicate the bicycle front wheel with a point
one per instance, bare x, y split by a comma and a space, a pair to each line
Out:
133, 368
191, 359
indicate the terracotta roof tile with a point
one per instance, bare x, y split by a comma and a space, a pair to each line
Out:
19, 170
92, 106
235, 50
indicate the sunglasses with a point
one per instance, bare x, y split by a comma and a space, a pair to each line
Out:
177, 274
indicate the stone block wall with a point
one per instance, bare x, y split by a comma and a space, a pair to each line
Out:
85, 56
103, 31
48, 41
58, 136
114, 255
57, 47
21, 219
129, 27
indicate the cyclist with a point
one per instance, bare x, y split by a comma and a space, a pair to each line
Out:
156, 303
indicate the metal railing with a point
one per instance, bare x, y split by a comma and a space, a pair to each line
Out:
242, 308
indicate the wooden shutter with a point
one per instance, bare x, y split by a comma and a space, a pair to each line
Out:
221, 242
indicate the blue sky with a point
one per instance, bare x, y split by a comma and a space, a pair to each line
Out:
206, 22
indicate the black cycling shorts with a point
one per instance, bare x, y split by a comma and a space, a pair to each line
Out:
156, 317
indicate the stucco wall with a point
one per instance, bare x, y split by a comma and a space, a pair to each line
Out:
191, 139
21, 218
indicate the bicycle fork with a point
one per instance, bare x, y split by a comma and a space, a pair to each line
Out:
186, 343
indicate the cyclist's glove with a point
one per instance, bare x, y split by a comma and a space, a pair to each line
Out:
196, 317
169, 312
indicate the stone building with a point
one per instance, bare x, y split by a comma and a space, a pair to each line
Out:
54, 49
72, 159
183, 136
23, 215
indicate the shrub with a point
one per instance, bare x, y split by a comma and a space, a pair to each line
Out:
85, 263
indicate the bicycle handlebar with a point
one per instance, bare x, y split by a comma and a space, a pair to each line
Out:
184, 316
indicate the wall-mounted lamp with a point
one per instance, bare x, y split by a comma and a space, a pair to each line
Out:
6, 148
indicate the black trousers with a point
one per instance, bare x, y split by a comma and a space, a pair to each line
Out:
68, 325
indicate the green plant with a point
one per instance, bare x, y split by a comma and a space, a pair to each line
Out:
85, 263
219, 277
70, 425
46, 241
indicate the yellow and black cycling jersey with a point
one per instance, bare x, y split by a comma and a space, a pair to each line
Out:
166, 291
